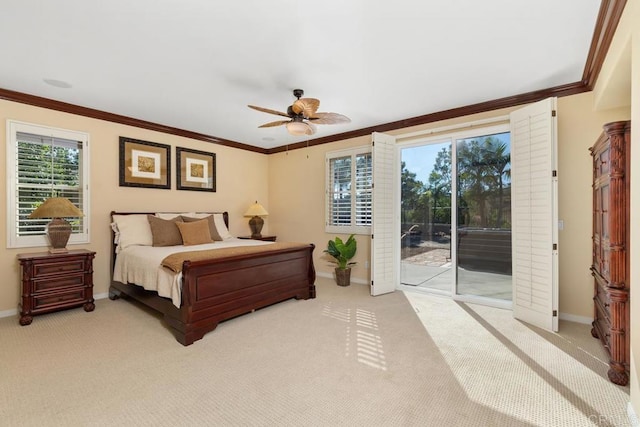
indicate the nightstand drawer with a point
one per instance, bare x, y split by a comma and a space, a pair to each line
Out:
50, 300
66, 266
68, 281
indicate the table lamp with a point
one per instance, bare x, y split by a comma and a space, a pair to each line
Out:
256, 211
58, 230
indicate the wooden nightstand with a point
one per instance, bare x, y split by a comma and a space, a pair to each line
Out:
264, 238
53, 282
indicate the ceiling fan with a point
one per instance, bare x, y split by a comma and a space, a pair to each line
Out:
303, 116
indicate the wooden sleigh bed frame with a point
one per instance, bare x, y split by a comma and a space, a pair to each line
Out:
213, 291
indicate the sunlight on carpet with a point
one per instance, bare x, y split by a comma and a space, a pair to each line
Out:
501, 362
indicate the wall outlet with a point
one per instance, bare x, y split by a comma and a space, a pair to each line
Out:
366, 264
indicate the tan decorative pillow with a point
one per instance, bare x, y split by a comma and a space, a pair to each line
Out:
212, 226
164, 231
195, 233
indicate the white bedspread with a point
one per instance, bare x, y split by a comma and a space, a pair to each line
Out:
142, 265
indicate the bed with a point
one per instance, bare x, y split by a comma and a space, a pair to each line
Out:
213, 282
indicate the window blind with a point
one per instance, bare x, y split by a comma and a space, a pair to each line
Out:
340, 185
46, 167
363, 183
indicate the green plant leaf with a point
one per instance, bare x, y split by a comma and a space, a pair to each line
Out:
342, 251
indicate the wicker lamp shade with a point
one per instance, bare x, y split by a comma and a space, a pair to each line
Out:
58, 230
256, 211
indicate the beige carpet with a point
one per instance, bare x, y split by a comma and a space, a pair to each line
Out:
344, 358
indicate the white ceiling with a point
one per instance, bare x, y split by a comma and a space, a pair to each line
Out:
196, 64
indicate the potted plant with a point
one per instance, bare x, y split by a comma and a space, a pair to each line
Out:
342, 252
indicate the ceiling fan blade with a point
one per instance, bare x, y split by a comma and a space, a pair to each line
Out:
311, 128
306, 106
272, 124
329, 119
266, 110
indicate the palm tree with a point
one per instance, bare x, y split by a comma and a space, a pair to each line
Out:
499, 161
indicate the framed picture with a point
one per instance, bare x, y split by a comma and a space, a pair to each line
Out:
144, 164
196, 170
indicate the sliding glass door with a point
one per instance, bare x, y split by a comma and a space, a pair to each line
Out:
426, 217
483, 229
456, 216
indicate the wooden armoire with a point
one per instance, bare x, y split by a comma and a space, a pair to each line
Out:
610, 267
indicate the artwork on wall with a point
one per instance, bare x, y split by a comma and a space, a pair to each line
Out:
144, 164
196, 170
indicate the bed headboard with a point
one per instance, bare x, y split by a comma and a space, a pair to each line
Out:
225, 216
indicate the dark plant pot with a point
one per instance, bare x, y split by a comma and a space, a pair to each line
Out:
343, 277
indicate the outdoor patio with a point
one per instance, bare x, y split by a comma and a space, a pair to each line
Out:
428, 266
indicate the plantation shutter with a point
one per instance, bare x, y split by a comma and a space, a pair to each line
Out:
363, 181
535, 214
385, 226
348, 191
46, 167
340, 191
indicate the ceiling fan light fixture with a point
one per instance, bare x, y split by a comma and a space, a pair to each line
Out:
297, 128
303, 116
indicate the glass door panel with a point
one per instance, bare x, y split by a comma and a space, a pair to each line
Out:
483, 203
426, 217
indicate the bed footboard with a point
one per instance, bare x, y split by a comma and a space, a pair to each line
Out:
229, 287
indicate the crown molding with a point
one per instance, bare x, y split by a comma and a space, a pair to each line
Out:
509, 101
65, 107
606, 25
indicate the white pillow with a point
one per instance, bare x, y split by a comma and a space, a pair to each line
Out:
133, 230
163, 215
223, 231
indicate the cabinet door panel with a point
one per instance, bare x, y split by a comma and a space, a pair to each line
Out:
603, 161
604, 209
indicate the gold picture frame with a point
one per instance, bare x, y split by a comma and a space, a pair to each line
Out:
144, 164
195, 170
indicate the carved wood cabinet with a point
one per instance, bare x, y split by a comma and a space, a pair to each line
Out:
52, 282
610, 267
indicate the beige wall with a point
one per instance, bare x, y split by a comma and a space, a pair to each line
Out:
296, 197
635, 220
235, 192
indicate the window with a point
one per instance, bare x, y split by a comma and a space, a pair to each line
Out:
44, 162
349, 185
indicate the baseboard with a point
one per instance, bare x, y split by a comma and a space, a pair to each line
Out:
563, 316
9, 313
633, 418
353, 279
577, 319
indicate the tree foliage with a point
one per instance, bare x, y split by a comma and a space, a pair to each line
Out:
45, 170
483, 186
